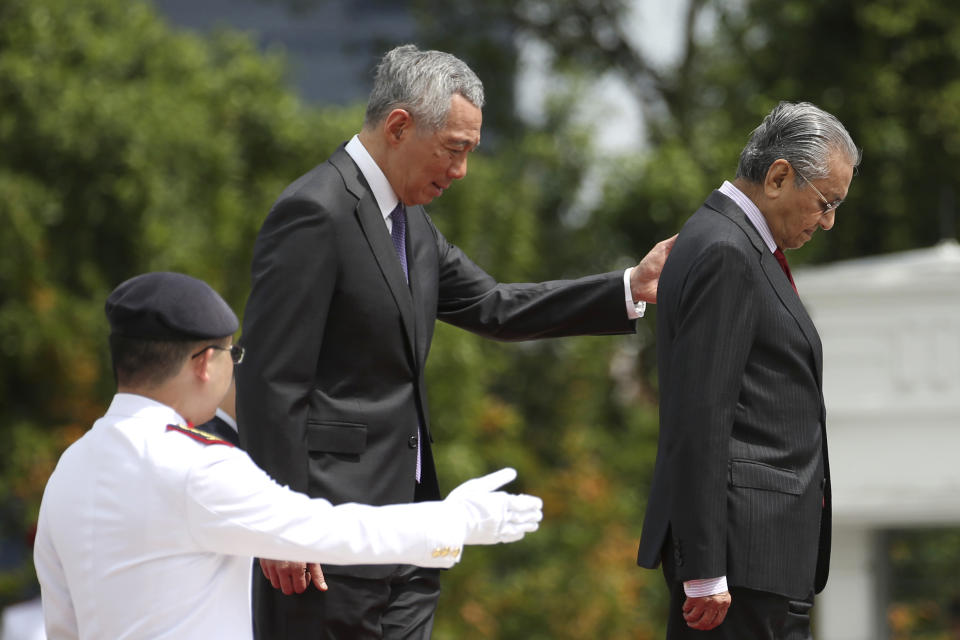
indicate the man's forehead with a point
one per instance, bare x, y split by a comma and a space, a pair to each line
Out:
463, 123
839, 178
460, 139
459, 133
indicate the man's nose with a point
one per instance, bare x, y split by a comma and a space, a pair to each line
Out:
458, 169
827, 220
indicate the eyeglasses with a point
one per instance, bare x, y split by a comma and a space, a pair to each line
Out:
236, 352
827, 205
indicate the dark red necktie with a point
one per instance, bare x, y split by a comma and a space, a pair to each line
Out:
782, 259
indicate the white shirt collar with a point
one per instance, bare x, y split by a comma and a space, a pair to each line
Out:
751, 211
226, 417
384, 194
130, 405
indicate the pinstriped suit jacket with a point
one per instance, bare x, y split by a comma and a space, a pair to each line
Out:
741, 481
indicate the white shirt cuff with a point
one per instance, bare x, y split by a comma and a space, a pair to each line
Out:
704, 587
634, 309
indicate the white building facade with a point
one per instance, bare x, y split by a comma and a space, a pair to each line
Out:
890, 327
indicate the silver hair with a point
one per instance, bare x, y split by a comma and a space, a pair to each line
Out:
802, 134
422, 82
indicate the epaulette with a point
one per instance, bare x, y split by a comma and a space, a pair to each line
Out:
198, 435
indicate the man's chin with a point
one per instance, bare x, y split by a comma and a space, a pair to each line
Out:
800, 241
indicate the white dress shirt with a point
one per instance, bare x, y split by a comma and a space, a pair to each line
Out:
146, 532
751, 211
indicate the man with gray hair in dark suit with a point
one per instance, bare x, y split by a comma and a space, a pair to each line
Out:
739, 509
349, 276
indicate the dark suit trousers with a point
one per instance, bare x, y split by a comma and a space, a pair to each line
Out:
398, 607
753, 615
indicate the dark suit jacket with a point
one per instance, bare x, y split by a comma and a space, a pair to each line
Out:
741, 481
331, 393
218, 427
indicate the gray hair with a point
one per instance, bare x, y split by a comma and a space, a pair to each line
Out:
422, 82
802, 134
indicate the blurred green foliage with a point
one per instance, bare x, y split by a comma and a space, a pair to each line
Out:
888, 69
923, 587
127, 146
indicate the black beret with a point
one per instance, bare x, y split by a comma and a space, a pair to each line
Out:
169, 306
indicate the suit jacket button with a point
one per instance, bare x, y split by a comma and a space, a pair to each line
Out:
412, 442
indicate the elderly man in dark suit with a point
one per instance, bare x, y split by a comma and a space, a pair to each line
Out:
739, 509
349, 275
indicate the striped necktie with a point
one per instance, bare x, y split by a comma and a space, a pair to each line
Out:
399, 236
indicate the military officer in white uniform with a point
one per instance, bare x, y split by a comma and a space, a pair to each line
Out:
147, 526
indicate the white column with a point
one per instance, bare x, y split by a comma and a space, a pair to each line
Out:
848, 609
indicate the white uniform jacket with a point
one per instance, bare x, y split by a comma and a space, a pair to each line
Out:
145, 532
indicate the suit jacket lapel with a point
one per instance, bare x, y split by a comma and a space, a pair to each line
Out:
371, 222
775, 275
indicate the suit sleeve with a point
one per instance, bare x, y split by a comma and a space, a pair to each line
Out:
712, 337
471, 299
293, 278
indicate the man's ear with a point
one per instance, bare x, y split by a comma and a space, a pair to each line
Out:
397, 125
776, 179
200, 366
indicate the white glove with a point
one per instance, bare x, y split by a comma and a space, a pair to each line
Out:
495, 516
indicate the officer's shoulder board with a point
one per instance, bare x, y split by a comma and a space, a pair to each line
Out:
200, 436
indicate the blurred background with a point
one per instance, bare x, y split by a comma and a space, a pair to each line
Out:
139, 136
